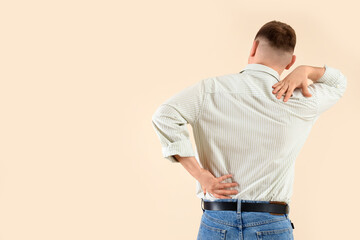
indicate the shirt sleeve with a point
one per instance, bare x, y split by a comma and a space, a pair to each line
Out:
171, 118
328, 89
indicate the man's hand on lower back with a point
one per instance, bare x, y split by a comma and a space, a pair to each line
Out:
208, 182
214, 185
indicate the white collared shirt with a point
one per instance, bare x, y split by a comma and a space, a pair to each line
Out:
241, 128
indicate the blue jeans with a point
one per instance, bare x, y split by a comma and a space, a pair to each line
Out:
230, 224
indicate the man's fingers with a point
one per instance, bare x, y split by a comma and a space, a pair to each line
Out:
281, 92
222, 178
288, 94
274, 86
278, 87
220, 192
305, 91
228, 185
225, 192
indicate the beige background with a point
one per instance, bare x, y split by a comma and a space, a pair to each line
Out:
80, 80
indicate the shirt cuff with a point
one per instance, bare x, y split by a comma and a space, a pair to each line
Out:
182, 148
331, 76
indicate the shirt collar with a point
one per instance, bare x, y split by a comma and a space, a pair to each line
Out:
263, 68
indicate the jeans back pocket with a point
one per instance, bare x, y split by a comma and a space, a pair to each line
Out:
207, 232
276, 234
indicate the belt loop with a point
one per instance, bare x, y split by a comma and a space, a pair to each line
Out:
238, 210
202, 200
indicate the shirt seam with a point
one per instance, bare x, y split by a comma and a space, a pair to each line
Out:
201, 107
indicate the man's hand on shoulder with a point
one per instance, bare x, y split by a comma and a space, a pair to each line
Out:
298, 78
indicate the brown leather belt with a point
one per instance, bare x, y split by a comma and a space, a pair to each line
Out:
273, 207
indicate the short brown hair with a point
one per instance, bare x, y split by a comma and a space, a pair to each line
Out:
280, 35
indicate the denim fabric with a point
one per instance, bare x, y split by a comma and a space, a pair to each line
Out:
216, 225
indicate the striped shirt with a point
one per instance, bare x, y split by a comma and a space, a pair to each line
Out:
241, 128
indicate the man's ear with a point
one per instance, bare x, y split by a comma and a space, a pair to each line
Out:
293, 59
254, 47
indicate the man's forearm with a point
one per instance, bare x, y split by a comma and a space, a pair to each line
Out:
191, 165
314, 73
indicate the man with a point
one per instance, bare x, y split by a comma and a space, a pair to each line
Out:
249, 127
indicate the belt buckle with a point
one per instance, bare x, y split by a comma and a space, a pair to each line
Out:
277, 202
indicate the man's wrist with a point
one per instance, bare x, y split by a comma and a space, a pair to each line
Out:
313, 73
191, 165
198, 173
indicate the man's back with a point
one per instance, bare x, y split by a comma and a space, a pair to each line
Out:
241, 128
